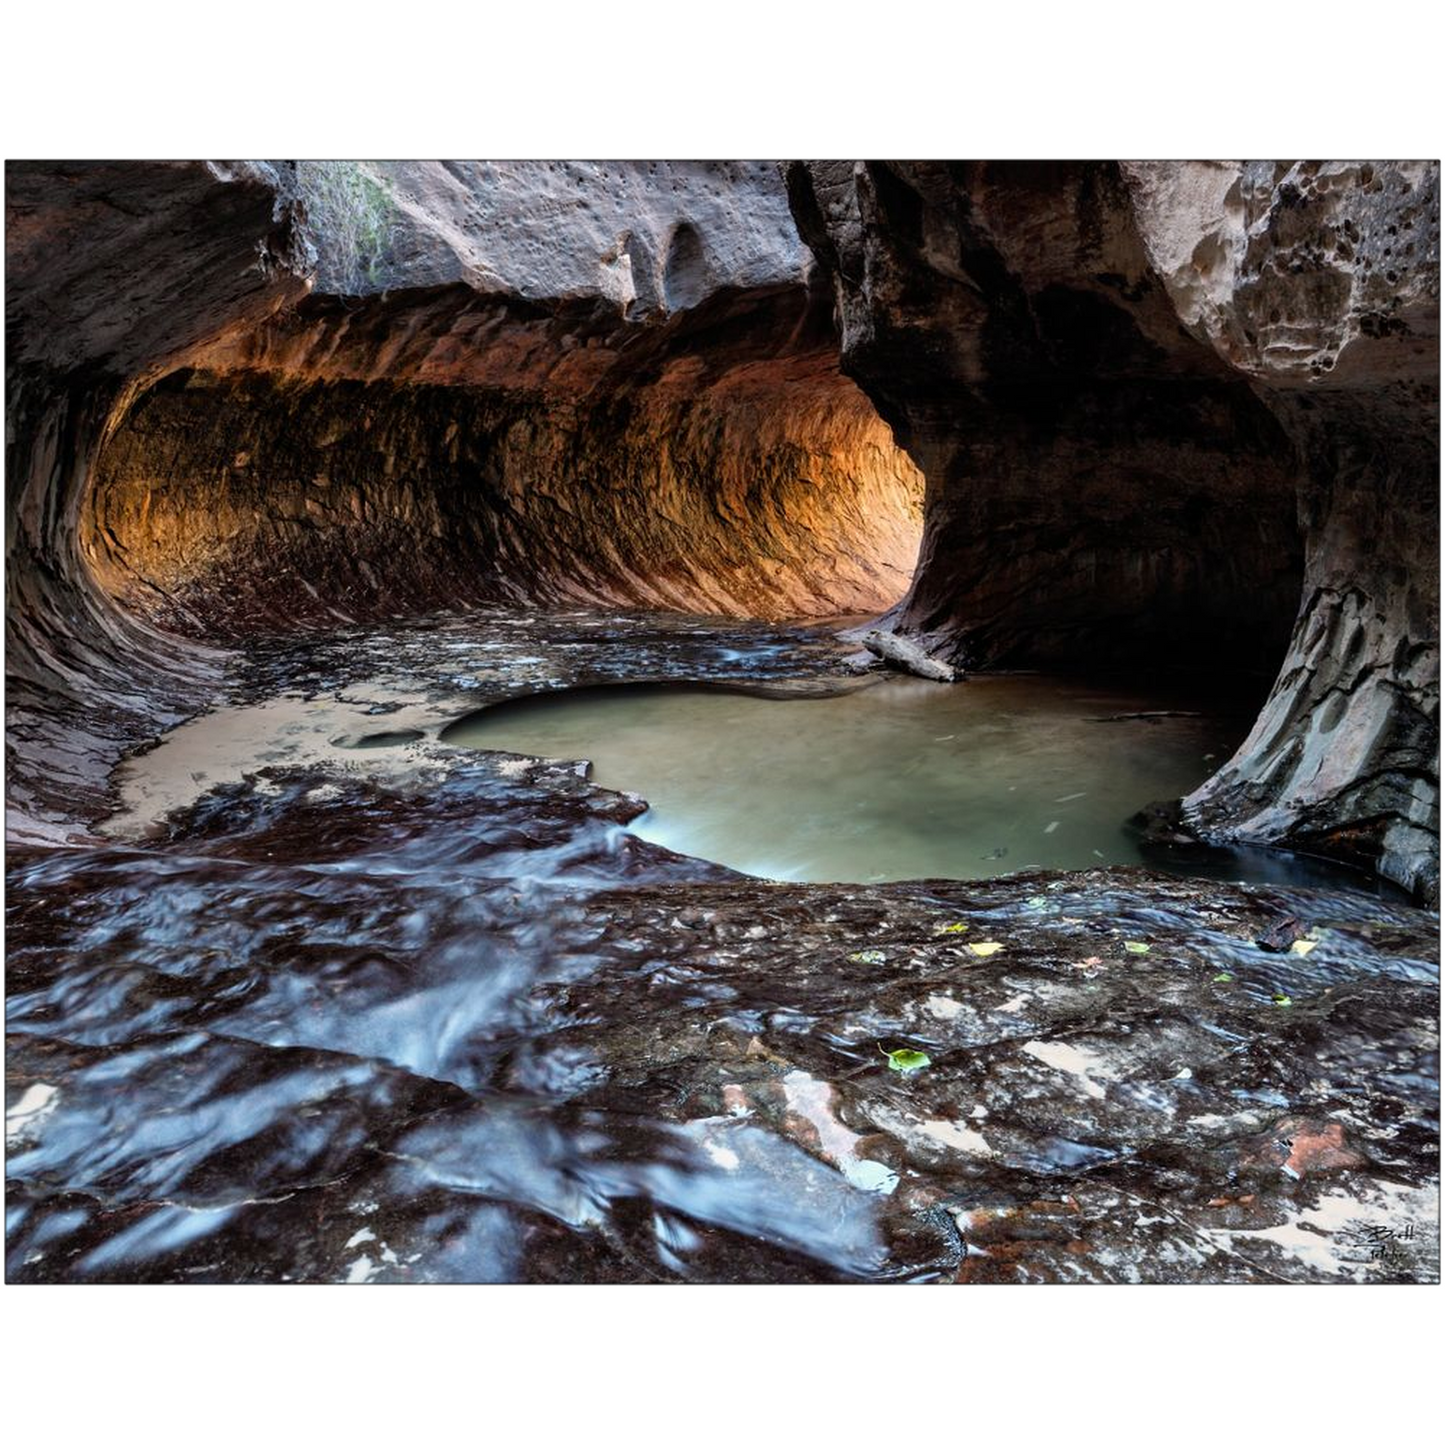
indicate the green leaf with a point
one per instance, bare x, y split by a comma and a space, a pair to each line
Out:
1284, 1000
906, 1061
1132, 947
954, 928
867, 955
1224, 978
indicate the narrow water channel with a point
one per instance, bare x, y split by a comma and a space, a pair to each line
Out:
901, 779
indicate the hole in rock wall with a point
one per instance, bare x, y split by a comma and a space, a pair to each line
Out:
685, 276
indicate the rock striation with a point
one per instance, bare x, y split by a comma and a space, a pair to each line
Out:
252, 397
608, 383
1321, 283
1170, 412
114, 273
716, 462
436, 1015
1179, 413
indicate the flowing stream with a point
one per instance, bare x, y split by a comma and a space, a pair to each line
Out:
324, 1025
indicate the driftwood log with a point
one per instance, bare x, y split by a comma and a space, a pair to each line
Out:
906, 656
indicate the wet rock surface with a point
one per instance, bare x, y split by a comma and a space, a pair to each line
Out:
453, 1022
370, 701
1176, 406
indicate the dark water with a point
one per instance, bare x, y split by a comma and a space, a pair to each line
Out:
903, 779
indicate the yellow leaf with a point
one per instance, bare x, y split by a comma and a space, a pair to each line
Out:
983, 950
1302, 946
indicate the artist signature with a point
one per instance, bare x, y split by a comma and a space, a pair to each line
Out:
1386, 1245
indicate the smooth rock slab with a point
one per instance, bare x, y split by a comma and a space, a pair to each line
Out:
340, 1025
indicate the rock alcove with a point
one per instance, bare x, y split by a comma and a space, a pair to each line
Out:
306, 460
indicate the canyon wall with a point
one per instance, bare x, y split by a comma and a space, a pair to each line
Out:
1100, 486
1321, 284
1150, 414
114, 272
1152, 402
314, 470
257, 397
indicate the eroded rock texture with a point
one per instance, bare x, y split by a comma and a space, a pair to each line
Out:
443, 1018
114, 272
1145, 399
1100, 486
327, 468
559, 382
1321, 283
651, 238
450, 1021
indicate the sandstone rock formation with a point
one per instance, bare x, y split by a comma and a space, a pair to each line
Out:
1100, 485
114, 272
1150, 401
1156, 406
650, 238
445, 1018
715, 463
610, 384
487, 407
1322, 284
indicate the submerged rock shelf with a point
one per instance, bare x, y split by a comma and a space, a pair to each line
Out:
423, 1014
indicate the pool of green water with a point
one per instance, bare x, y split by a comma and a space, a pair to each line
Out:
901, 779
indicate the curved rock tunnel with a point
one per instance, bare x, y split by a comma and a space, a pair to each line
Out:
1070, 416
721, 466
1145, 400
270, 459
1138, 393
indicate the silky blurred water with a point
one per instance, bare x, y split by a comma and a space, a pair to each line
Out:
902, 779
454, 1022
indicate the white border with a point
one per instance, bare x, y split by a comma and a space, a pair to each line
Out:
734, 80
